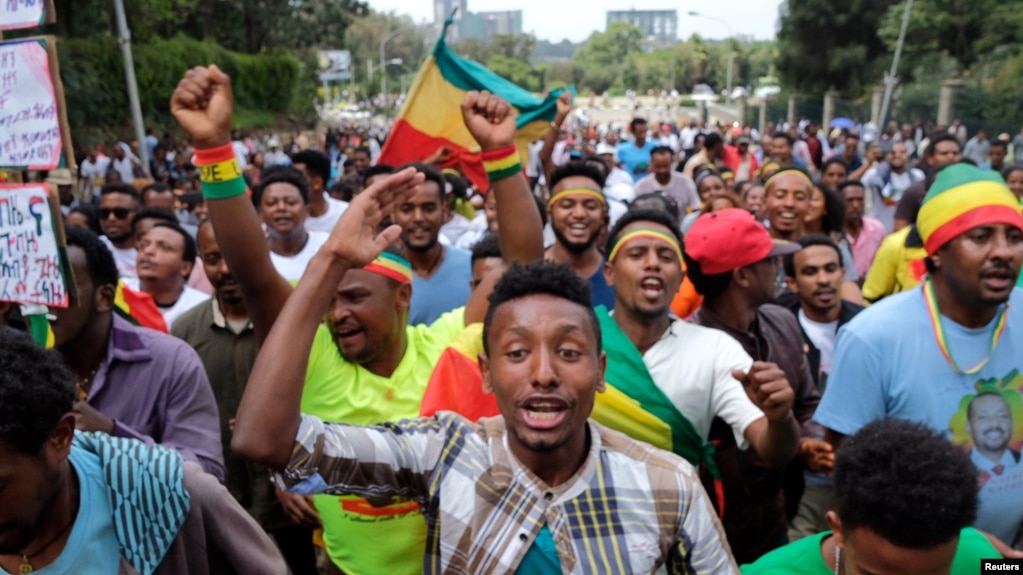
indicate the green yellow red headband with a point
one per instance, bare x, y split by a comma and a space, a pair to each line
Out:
577, 192
649, 234
789, 172
389, 265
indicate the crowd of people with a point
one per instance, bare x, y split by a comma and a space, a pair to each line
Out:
646, 349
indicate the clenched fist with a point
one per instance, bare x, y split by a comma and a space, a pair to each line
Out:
203, 104
490, 119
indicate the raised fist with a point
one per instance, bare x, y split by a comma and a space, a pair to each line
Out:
203, 104
490, 120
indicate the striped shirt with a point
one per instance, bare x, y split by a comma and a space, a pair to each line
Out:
630, 508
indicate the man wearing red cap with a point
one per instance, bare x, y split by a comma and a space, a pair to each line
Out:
929, 353
732, 262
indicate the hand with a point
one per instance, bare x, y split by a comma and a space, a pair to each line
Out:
817, 455
768, 389
442, 155
88, 418
564, 104
354, 237
490, 120
203, 103
298, 509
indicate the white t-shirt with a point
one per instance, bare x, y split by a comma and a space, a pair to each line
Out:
693, 366
823, 337
325, 223
126, 168
95, 173
124, 258
241, 152
292, 267
189, 298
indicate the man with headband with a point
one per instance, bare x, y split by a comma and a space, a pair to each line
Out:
680, 375
732, 262
577, 212
924, 354
366, 364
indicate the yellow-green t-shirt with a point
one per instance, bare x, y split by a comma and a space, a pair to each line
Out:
364, 537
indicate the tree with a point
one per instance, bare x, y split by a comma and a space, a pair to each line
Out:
610, 48
963, 30
515, 71
824, 44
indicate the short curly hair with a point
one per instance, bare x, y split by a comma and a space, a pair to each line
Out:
906, 483
540, 278
102, 267
35, 392
281, 175
643, 215
579, 168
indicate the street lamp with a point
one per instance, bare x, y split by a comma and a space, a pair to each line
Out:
383, 69
731, 49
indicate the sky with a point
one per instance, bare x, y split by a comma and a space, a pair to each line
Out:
555, 20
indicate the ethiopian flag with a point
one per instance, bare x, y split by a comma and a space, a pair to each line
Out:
431, 117
138, 307
456, 383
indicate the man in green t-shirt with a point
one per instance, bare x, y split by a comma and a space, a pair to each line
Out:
905, 498
366, 364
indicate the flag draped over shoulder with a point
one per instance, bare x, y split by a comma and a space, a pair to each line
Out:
431, 117
456, 383
138, 308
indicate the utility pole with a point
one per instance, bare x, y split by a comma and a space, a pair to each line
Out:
124, 39
891, 79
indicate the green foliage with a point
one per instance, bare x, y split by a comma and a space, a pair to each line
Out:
516, 71
93, 75
610, 48
824, 44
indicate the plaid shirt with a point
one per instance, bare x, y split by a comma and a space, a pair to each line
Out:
630, 508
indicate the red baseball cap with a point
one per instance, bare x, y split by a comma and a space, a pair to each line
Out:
730, 239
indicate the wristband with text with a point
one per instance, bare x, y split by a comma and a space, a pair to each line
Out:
502, 163
220, 174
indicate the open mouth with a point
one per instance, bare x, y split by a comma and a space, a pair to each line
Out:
544, 412
652, 288
346, 334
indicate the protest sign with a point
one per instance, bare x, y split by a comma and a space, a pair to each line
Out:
25, 13
33, 255
33, 121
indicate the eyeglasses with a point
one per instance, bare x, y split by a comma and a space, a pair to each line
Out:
119, 213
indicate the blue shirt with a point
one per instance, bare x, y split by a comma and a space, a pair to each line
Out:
92, 546
600, 292
542, 555
887, 364
635, 160
447, 289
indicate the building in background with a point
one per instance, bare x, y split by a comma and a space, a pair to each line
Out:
442, 9
484, 25
657, 25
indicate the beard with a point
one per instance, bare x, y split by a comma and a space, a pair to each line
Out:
575, 247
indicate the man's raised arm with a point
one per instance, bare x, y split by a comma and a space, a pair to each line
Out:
491, 121
268, 417
203, 104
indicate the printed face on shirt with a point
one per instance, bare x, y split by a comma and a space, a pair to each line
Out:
367, 315
544, 366
819, 277
162, 255
788, 200
864, 552
989, 421
421, 218
29, 486
577, 220
116, 211
283, 210
646, 272
981, 266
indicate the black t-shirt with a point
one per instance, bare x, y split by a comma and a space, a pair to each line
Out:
912, 199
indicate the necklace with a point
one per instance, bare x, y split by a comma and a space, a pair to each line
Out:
939, 330
83, 384
838, 560
26, 565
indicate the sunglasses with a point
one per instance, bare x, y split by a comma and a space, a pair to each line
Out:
119, 213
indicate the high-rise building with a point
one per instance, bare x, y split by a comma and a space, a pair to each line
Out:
442, 9
661, 25
483, 25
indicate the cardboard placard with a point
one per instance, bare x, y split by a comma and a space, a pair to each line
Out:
34, 133
16, 14
34, 267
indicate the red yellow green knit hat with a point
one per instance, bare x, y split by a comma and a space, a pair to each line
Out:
963, 197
